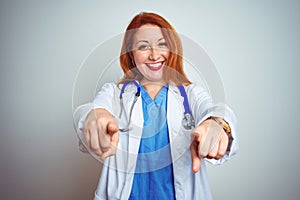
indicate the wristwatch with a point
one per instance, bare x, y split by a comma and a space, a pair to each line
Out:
226, 128
223, 123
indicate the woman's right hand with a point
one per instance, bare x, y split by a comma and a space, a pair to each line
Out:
101, 132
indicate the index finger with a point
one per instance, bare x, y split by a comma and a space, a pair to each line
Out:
196, 160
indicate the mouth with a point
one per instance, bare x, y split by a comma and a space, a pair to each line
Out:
155, 66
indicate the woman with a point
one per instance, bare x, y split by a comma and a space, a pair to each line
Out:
137, 128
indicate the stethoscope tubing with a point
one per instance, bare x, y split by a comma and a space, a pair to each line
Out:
188, 120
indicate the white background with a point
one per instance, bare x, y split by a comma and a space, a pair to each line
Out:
254, 45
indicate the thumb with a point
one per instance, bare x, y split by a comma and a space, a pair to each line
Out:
196, 161
112, 130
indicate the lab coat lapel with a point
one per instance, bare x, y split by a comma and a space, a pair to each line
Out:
174, 111
179, 139
135, 132
137, 122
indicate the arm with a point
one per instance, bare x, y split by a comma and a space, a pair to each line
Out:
95, 124
210, 141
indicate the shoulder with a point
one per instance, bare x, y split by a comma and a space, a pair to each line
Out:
198, 94
109, 85
189, 89
116, 88
194, 88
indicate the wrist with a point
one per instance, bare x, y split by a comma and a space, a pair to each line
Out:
225, 127
222, 123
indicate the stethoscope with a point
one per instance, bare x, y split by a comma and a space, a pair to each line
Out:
187, 121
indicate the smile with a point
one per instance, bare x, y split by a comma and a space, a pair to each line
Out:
155, 66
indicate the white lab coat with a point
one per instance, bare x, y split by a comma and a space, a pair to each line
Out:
118, 170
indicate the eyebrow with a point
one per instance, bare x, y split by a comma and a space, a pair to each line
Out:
162, 38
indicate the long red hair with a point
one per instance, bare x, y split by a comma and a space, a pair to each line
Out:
174, 70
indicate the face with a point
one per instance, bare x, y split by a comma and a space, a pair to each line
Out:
150, 52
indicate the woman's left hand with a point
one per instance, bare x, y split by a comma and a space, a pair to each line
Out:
210, 141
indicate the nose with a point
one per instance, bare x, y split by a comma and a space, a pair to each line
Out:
154, 54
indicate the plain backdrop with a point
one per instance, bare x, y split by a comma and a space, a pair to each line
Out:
255, 46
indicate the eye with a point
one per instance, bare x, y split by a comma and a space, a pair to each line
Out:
144, 47
162, 45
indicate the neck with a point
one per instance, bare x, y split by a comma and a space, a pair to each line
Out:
153, 88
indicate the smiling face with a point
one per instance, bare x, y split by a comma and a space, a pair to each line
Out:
150, 53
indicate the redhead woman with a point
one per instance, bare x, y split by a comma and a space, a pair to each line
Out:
154, 130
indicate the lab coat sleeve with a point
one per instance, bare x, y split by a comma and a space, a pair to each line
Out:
203, 107
103, 99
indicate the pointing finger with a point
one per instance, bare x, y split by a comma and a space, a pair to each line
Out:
196, 162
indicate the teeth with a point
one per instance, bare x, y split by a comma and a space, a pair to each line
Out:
155, 65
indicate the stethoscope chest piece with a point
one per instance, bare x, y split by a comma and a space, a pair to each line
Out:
188, 121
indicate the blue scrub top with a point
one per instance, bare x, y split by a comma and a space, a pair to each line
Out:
153, 178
